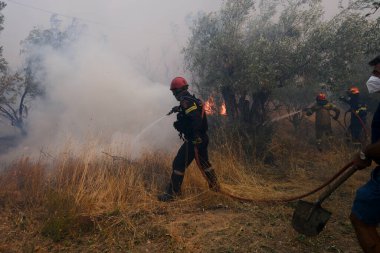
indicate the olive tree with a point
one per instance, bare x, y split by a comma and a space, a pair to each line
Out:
19, 90
256, 48
215, 54
9, 88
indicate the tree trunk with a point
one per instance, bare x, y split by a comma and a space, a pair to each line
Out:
259, 110
21, 126
230, 101
244, 110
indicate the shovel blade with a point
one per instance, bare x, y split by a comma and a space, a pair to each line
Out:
309, 218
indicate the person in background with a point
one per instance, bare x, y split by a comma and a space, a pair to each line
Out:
358, 112
365, 213
322, 109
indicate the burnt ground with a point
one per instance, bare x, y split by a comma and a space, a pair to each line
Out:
205, 222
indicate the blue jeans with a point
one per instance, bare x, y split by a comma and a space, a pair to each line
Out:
366, 205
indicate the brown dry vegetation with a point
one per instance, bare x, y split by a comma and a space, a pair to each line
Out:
89, 202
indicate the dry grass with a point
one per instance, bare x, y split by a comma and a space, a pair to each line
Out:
91, 202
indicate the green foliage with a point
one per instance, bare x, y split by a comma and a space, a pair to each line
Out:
250, 50
56, 228
60, 220
257, 49
215, 46
63, 217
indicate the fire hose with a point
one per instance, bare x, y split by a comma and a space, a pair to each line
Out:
293, 198
366, 133
279, 200
363, 125
270, 201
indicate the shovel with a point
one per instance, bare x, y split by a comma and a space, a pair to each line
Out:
310, 218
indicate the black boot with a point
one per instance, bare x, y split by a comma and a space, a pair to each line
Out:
168, 195
212, 179
173, 190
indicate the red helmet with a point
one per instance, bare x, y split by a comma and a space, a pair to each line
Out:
321, 97
354, 90
178, 83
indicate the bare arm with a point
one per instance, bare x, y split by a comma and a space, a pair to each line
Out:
364, 159
372, 151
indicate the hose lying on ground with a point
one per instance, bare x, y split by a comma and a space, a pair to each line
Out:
287, 199
269, 201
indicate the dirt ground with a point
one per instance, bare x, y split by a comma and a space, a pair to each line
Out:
198, 221
205, 222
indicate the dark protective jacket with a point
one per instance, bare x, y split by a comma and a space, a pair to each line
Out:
356, 108
191, 119
322, 114
358, 115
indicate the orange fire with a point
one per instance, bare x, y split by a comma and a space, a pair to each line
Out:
223, 109
211, 107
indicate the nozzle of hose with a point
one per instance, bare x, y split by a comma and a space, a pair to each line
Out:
173, 110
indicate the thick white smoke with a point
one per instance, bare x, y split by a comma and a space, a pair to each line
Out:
95, 94
113, 82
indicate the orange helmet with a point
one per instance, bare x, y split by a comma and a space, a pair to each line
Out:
354, 90
178, 83
321, 97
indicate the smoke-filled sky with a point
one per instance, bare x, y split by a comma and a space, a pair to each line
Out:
117, 81
130, 25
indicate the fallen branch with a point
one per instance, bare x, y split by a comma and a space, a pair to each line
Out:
117, 158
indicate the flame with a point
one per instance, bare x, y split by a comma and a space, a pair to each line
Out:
211, 107
223, 109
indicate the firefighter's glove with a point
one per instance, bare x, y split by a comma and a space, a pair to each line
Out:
176, 125
361, 161
307, 111
197, 140
175, 109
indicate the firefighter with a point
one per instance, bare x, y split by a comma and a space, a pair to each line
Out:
192, 126
365, 213
322, 110
358, 114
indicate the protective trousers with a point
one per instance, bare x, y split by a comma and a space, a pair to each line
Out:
186, 154
356, 128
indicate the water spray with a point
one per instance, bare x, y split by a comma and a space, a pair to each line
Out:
281, 117
175, 109
133, 144
146, 129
